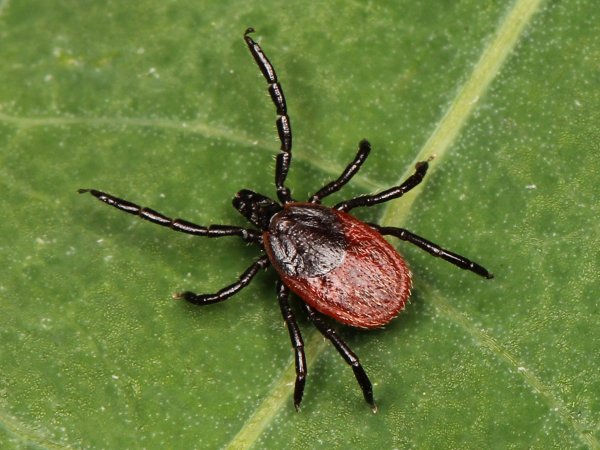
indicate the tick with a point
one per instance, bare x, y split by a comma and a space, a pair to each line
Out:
337, 265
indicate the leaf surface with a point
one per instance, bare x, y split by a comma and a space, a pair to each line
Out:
162, 105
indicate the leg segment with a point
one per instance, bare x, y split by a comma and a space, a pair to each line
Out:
228, 291
434, 249
284, 129
297, 342
347, 354
181, 225
364, 148
388, 194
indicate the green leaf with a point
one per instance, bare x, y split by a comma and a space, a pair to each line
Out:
161, 104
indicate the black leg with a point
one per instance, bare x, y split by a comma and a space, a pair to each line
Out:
228, 291
284, 158
347, 354
297, 342
388, 194
364, 148
181, 225
434, 249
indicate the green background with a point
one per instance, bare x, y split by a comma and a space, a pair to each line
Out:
159, 102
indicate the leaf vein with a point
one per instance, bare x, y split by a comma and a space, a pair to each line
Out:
485, 340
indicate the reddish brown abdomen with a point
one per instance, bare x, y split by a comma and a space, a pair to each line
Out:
367, 289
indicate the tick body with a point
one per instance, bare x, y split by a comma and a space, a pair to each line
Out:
336, 265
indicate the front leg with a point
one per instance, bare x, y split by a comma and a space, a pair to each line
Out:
284, 127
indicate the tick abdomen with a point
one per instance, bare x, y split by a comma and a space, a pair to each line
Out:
338, 265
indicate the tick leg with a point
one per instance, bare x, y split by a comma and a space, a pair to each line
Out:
364, 148
434, 249
228, 291
347, 354
181, 225
388, 194
297, 342
284, 129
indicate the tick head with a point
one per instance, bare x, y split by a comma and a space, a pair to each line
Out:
257, 208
